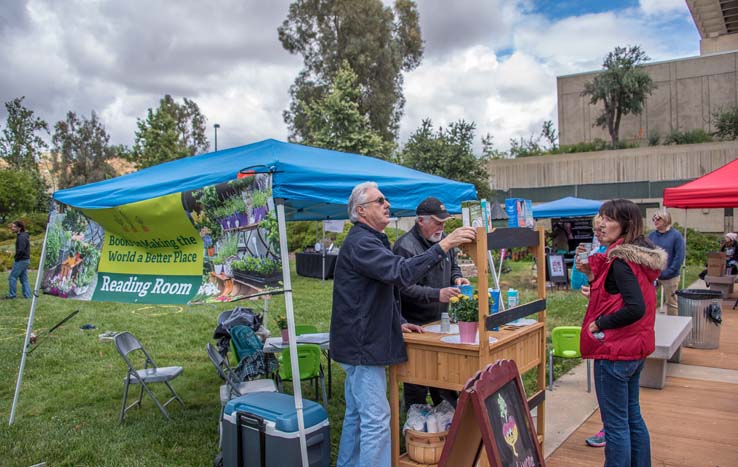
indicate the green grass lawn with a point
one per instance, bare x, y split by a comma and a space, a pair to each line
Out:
73, 384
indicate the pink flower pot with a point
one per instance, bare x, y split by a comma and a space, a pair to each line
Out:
285, 336
468, 331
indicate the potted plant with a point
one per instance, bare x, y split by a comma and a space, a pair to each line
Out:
282, 324
465, 311
257, 271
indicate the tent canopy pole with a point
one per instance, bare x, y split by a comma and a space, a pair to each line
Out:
297, 387
29, 326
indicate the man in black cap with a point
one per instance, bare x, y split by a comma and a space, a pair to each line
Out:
423, 302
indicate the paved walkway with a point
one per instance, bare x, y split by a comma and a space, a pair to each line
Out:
692, 420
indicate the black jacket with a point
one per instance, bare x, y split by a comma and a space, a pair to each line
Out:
420, 303
22, 247
366, 321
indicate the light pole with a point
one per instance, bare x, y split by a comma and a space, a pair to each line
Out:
216, 126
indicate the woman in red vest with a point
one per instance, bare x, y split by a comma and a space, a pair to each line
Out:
617, 331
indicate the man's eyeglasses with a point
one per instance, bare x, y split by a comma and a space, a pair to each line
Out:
380, 201
656, 218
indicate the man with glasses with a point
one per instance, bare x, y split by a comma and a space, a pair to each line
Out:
424, 301
673, 243
366, 325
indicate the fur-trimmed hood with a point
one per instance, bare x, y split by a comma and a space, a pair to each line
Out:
653, 258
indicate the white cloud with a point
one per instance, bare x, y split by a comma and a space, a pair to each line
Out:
493, 62
652, 7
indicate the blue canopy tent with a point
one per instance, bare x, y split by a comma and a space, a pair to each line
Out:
307, 184
314, 183
567, 207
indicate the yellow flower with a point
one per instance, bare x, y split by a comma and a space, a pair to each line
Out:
465, 297
476, 297
454, 299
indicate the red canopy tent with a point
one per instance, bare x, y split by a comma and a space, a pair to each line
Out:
717, 189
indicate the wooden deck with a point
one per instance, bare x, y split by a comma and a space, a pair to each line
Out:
692, 422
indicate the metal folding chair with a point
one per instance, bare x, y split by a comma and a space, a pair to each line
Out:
127, 344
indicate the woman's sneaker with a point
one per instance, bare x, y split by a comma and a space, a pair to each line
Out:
598, 440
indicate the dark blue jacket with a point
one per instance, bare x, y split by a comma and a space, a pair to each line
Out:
673, 243
420, 301
22, 246
366, 321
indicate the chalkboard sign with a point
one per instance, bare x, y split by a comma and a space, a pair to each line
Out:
510, 427
492, 417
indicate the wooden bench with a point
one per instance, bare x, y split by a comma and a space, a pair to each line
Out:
670, 333
723, 284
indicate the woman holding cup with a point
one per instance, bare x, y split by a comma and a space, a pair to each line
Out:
617, 331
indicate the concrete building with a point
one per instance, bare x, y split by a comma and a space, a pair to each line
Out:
690, 91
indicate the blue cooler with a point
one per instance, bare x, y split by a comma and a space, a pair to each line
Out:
260, 430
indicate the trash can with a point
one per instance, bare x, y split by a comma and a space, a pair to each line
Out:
703, 306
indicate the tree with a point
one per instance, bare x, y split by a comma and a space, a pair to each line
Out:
378, 42
622, 87
20, 144
81, 151
171, 132
334, 122
532, 146
489, 151
18, 193
447, 153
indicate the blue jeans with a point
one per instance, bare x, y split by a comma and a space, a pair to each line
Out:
365, 439
617, 386
20, 270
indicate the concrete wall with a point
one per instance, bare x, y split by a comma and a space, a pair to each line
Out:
596, 173
689, 91
650, 163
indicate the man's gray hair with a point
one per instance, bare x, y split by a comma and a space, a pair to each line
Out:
358, 196
664, 214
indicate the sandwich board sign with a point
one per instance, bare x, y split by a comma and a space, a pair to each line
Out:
492, 424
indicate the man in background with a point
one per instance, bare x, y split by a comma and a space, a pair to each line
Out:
21, 262
424, 301
673, 243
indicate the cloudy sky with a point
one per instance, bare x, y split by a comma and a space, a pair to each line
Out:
493, 62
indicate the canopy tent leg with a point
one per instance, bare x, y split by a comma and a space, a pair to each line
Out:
684, 261
29, 326
281, 222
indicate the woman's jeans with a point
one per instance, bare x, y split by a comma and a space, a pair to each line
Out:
20, 270
617, 385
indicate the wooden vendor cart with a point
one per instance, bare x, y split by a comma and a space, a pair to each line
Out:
438, 364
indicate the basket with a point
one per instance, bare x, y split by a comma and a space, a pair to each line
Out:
424, 448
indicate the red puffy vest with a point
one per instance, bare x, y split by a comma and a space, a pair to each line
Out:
636, 340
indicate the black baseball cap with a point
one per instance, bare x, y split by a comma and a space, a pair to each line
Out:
431, 206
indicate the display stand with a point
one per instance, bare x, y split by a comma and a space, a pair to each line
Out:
432, 362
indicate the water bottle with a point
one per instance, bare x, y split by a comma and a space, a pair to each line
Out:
445, 323
512, 298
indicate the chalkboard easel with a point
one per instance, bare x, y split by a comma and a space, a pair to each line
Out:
492, 417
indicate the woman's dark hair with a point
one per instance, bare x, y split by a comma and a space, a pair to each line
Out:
21, 226
628, 215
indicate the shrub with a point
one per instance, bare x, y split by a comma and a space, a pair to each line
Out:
695, 136
699, 244
726, 123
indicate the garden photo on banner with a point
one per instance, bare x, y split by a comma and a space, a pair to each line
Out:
216, 243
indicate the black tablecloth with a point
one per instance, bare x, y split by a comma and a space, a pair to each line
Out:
311, 265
